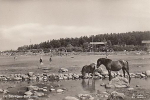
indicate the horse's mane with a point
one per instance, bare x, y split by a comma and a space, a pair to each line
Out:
104, 61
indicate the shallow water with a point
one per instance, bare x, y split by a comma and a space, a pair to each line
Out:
90, 87
73, 87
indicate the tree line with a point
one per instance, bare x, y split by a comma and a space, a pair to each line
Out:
134, 38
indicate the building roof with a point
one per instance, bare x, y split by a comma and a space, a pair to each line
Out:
146, 41
98, 42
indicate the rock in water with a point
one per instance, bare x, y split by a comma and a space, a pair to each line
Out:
147, 73
28, 93
38, 94
118, 82
30, 74
116, 96
85, 97
1, 90
61, 70
32, 88
59, 90
70, 98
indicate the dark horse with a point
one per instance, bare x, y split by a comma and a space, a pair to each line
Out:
88, 69
114, 66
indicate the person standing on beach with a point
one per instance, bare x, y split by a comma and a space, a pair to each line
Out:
41, 60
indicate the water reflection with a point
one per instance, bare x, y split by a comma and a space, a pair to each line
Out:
88, 85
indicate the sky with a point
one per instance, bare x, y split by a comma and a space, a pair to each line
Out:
24, 22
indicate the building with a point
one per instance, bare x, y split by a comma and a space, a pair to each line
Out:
147, 43
97, 46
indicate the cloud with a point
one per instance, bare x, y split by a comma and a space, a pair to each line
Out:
20, 35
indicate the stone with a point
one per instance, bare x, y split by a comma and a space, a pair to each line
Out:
65, 77
30, 99
31, 74
59, 90
28, 93
61, 70
85, 97
96, 77
1, 90
5, 91
33, 78
130, 89
38, 94
116, 96
104, 73
142, 75
44, 90
45, 87
70, 98
17, 78
147, 73
75, 76
70, 77
118, 82
33, 88
45, 78
103, 84
25, 77
132, 75
99, 70
52, 90
97, 74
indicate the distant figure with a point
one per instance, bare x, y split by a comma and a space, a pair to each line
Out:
41, 60
15, 58
50, 59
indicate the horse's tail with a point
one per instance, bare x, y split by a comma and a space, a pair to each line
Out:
83, 71
125, 64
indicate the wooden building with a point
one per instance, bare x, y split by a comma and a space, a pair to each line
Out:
97, 46
147, 43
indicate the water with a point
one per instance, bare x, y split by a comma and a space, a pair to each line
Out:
72, 87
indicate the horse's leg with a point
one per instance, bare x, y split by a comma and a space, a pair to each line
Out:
123, 72
128, 75
93, 74
127, 70
110, 77
88, 82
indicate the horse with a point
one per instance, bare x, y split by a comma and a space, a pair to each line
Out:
88, 69
114, 66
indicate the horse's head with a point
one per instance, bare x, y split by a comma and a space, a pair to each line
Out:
99, 62
103, 61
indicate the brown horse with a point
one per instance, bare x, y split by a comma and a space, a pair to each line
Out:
114, 66
88, 69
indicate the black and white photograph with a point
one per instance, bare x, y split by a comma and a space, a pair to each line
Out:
74, 49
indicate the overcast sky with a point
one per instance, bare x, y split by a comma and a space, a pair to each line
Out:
42, 20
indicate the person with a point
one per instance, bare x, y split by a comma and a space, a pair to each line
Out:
50, 59
41, 60
15, 58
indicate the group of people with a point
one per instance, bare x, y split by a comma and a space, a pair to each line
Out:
41, 60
